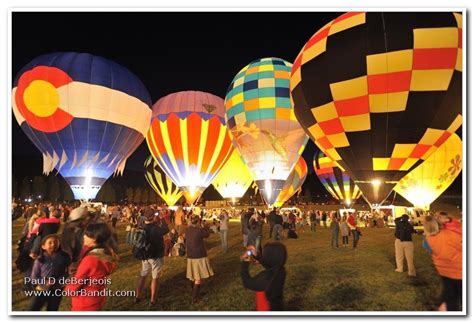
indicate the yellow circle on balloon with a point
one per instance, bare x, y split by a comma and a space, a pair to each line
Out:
41, 98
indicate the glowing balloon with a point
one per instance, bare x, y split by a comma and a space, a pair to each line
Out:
336, 181
86, 115
189, 139
161, 184
263, 125
428, 181
234, 178
293, 183
379, 92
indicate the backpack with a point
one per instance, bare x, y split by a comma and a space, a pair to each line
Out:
140, 245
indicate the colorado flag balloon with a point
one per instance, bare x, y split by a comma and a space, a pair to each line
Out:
86, 115
189, 139
263, 125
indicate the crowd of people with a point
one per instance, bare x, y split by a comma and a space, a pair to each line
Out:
79, 259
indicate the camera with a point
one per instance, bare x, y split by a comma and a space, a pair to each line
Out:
249, 253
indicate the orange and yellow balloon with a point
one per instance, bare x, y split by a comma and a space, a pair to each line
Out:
428, 181
293, 183
189, 139
234, 179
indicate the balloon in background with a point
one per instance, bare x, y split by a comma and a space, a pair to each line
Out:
294, 182
428, 181
379, 92
264, 129
234, 178
336, 181
86, 115
189, 139
161, 184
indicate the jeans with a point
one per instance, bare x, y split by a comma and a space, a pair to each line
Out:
277, 229
313, 226
114, 222
335, 239
345, 240
52, 302
355, 238
271, 229
245, 238
223, 235
130, 236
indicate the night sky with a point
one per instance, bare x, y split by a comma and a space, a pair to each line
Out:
169, 52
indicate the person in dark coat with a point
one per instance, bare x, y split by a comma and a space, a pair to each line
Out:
271, 220
244, 223
268, 284
404, 247
255, 230
72, 237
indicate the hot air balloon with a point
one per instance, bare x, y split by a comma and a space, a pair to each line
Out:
336, 181
293, 183
189, 139
86, 115
234, 179
161, 184
428, 181
263, 125
379, 92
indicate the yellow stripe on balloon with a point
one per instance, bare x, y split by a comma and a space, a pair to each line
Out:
217, 151
202, 143
183, 130
169, 149
158, 158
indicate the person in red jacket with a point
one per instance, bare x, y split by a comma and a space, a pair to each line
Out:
355, 231
98, 261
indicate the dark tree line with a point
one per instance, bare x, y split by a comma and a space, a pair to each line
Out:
55, 188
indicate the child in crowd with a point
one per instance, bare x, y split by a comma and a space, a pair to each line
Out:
49, 268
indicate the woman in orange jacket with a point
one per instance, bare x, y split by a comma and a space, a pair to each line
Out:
446, 253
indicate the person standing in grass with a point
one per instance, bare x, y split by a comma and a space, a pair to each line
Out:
334, 226
404, 247
344, 230
268, 284
223, 228
49, 268
198, 266
255, 230
312, 220
446, 253
271, 220
352, 223
153, 261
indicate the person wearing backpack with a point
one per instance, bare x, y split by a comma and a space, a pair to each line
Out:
149, 247
268, 284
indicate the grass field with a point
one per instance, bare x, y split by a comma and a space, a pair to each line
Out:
319, 278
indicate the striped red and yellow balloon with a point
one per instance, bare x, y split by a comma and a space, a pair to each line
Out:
188, 138
293, 183
336, 181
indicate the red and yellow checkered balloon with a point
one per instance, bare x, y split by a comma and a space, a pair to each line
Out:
380, 92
